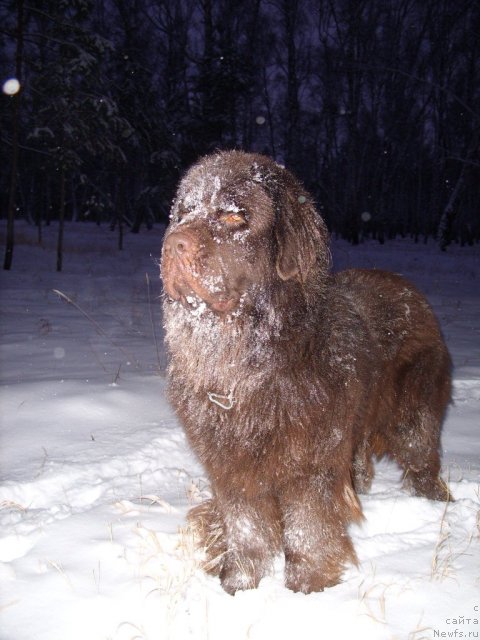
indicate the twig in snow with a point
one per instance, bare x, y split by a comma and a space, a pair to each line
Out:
98, 328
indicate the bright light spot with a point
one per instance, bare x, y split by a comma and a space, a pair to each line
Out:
11, 87
260, 120
302, 199
59, 353
366, 216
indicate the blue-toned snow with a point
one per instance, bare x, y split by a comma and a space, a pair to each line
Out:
96, 476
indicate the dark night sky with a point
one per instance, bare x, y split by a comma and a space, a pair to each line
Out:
375, 106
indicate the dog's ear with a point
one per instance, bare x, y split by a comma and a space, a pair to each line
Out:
300, 233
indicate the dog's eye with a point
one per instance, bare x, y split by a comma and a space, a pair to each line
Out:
232, 219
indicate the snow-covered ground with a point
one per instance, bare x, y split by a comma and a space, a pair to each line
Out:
96, 476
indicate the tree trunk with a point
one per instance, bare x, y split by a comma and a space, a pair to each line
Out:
273, 151
444, 231
61, 220
290, 10
15, 143
121, 196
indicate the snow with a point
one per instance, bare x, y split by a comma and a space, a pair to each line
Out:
96, 476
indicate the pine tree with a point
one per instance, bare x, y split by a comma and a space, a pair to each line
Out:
74, 118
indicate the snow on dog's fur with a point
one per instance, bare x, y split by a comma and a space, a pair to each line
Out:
288, 380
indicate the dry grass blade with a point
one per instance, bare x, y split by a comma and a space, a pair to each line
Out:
98, 328
58, 567
9, 504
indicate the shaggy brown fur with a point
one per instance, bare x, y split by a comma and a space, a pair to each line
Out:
288, 380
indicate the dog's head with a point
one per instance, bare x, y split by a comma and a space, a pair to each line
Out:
240, 224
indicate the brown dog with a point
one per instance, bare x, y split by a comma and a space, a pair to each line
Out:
288, 380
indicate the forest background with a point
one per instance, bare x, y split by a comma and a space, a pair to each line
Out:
375, 105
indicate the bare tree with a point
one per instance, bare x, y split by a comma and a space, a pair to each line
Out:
15, 141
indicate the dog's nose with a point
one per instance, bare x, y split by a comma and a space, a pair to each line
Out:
179, 244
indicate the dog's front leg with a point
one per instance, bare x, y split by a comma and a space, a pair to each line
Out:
253, 538
316, 511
